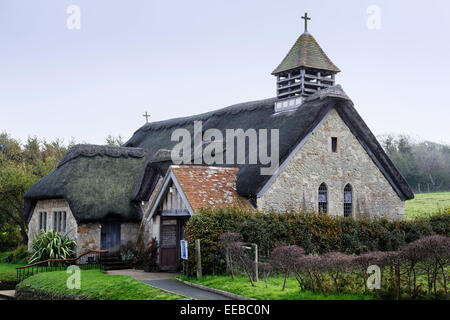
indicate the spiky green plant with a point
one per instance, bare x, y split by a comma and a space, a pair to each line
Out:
52, 245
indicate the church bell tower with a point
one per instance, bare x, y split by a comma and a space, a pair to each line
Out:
305, 70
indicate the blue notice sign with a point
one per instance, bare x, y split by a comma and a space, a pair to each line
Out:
184, 249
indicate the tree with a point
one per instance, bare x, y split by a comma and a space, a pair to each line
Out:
113, 141
20, 168
286, 258
425, 165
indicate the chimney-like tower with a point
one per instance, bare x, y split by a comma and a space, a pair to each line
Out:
305, 69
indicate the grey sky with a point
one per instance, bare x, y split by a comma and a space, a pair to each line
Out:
177, 58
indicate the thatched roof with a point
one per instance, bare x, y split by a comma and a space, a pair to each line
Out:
293, 127
96, 181
307, 53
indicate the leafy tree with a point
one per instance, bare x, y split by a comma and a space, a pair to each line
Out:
21, 167
425, 165
113, 141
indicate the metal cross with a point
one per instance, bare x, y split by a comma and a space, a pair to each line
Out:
146, 115
306, 18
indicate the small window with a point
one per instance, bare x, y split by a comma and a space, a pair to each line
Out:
323, 198
43, 221
348, 201
60, 221
334, 144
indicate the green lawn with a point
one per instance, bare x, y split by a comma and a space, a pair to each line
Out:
426, 203
242, 286
8, 271
96, 285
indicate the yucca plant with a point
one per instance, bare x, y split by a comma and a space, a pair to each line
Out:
52, 245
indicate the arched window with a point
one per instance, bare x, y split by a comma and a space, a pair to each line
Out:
323, 198
348, 201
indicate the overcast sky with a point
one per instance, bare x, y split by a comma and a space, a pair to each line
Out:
177, 58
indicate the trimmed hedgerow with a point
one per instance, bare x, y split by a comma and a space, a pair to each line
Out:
315, 233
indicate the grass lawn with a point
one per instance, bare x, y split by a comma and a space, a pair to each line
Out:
8, 271
426, 203
242, 286
96, 285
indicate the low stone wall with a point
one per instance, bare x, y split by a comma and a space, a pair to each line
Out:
33, 294
7, 285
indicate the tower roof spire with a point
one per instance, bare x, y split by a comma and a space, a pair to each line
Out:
305, 69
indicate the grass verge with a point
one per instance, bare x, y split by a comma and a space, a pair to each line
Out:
96, 285
242, 286
8, 271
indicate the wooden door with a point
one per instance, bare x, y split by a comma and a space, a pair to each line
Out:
169, 257
110, 237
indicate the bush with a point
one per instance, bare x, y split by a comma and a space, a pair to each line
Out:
315, 233
6, 257
20, 255
52, 245
285, 258
417, 270
10, 237
148, 258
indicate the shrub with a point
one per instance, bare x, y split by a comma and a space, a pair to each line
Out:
285, 259
227, 242
315, 233
20, 255
10, 237
148, 258
6, 257
52, 245
241, 259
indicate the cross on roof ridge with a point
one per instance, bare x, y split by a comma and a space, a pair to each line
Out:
306, 18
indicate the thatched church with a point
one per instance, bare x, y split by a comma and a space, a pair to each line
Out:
328, 158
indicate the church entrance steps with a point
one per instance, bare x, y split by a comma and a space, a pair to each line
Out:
114, 262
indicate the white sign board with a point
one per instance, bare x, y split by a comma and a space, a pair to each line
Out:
184, 249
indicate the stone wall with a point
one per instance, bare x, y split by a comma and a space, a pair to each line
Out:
89, 236
149, 228
128, 234
50, 206
296, 187
34, 294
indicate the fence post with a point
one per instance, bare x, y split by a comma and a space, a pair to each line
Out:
255, 247
199, 258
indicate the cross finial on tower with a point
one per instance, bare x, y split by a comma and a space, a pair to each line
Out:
146, 115
306, 18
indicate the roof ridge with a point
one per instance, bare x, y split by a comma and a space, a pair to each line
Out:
92, 150
235, 108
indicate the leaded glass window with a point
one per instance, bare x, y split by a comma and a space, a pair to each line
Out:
323, 198
43, 220
348, 201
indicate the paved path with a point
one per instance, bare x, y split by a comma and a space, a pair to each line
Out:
180, 288
7, 294
166, 281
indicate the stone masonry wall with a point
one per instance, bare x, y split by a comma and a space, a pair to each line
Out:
89, 235
150, 228
296, 187
50, 206
128, 234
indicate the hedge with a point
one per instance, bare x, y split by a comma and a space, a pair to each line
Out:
316, 233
